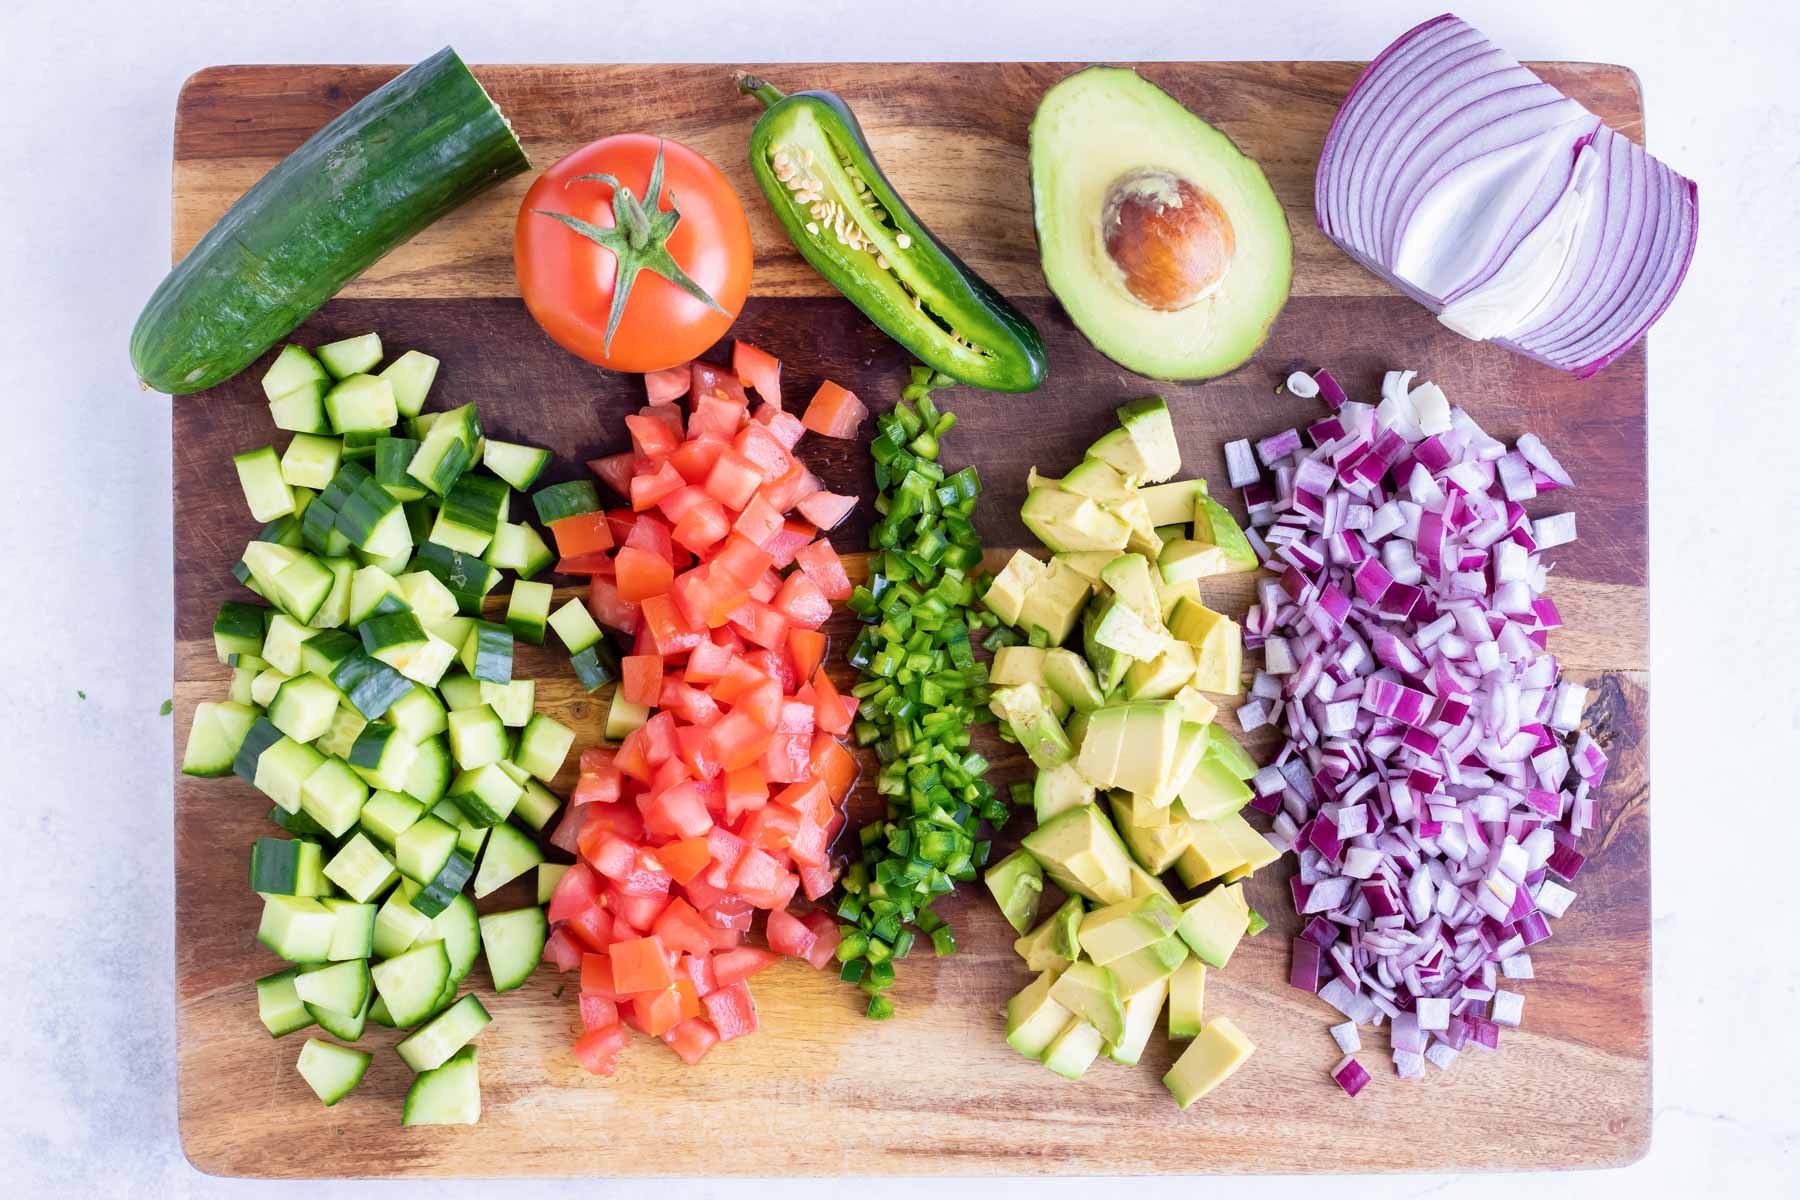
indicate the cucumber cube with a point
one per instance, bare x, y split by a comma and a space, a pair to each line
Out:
477, 737
536, 806
216, 736
354, 934
527, 611
411, 376
351, 356
298, 928
265, 491
301, 410
311, 460
330, 1070
292, 368
284, 769
304, 707
360, 869
333, 796
575, 626
278, 1006
361, 404
486, 794
544, 746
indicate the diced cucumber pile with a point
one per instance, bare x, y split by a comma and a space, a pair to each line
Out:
376, 707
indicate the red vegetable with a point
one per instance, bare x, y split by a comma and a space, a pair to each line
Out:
723, 804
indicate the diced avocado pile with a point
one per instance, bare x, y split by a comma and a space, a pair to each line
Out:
377, 709
1125, 715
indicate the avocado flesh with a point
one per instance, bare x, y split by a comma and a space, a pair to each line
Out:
1064, 521
1105, 124
1059, 790
1033, 1019
1017, 884
1187, 999
1088, 990
1055, 943
1081, 853
1212, 924
1055, 602
1067, 674
1112, 932
1074, 1049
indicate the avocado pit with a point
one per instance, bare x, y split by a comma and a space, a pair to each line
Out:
1171, 240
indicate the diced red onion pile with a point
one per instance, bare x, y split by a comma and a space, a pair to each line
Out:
1500, 204
1433, 779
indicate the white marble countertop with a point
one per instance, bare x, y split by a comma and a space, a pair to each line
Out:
87, 1091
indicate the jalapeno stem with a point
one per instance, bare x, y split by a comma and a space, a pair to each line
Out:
750, 85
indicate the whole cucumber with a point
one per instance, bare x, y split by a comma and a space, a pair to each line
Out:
397, 160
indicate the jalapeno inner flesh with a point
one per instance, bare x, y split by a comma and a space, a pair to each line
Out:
845, 217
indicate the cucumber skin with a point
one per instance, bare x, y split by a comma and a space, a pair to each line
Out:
397, 160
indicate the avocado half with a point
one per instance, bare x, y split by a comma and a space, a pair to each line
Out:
1162, 240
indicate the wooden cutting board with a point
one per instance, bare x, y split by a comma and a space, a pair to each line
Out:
820, 1090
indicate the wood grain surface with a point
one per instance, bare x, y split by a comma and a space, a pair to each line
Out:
936, 1090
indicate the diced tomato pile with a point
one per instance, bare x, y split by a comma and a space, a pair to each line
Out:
725, 802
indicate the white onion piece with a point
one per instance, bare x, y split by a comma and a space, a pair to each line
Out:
1504, 206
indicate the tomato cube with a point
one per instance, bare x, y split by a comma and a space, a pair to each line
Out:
770, 828
802, 602
564, 950
741, 560
641, 574
789, 758
578, 888
615, 471
597, 976
651, 436
733, 480
697, 969
703, 526
679, 812
789, 935
597, 1050
822, 564
640, 965
684, 859
670, 633
760, 447
794, 536
669, 384
817, 882
597, 1011
835, 765
734, 966
611, 609
738, 740
694, 459
785, 426
634, 912
835, 412
585, 533
827, 510
827, 934
691, 1039
758, 369
731, 1011
602, 786
682, 929
647, 491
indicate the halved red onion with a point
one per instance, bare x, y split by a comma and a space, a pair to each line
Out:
1500, 204
1434, 780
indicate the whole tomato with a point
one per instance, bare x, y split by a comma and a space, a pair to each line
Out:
627, 279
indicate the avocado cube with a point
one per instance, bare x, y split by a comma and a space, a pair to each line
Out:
1218, 645
1148, 966
1198, 709
1082, 854
1141, 1011
1068, 675
1245, 840
1210, 853
1109, 665
1218, 1050
1017, 884
1161, 677
1117, 449
1172, 503
1212, 791
1098, 479
1212, 924
1152, 432
1064, 521
1141, 536
1055, 943
1128, 632
1015, 665
1143, 883
1184, 561
1120, 929
1074, 1050
1033, 1019
1156, 848
1058, 790
1085, 563
1054, 603
1128, 576
1187, 999
1087, 990
1151, 736
1214, 524
1006, 595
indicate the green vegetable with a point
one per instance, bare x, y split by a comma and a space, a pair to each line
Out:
857, 232
168, 706
922, 691
399, 159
